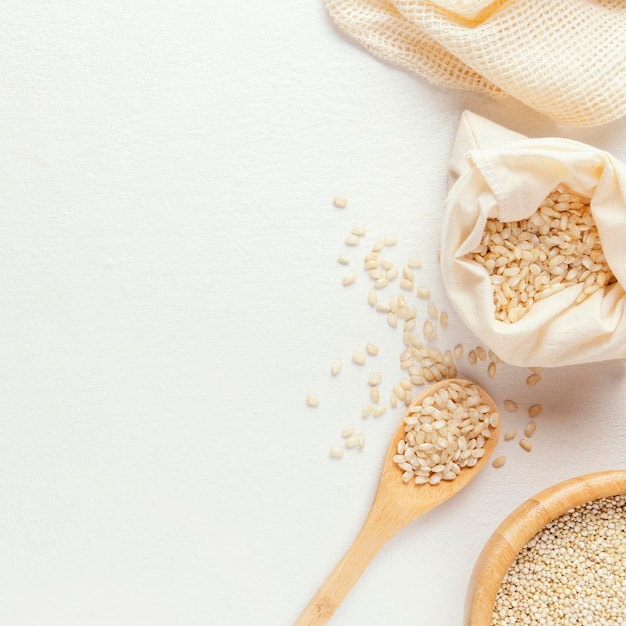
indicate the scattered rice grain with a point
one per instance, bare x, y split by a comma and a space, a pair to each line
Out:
530, 429
533, 379
379, 410
510, 434
526, 445
511, 406
359, 358
312, 400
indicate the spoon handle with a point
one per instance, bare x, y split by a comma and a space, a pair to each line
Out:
344, 576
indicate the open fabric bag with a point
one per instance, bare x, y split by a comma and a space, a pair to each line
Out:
496, 173
563, 58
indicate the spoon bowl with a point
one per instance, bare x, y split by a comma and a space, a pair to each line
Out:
396, 504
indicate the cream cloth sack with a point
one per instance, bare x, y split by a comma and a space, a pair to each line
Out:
564, 58
500, 174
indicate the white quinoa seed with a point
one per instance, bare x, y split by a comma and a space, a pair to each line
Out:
359, 230
414, 262
423, 292
340, 202
371, 349
352, 240
335, 368
336, 452
349, 279
344, 259
573, 571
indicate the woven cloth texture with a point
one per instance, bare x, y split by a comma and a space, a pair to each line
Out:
563, 58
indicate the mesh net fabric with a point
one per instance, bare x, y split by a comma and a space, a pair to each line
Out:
564, 58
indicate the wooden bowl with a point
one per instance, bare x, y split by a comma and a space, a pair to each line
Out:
522, 525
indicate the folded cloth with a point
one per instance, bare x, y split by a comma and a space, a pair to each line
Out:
496, 173
564, 58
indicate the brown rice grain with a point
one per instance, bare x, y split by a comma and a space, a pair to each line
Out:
530, 429
375, 394
526, 445
359, 358
533, 379
379, 410
312, 400
336, 367
347, 431
511, 406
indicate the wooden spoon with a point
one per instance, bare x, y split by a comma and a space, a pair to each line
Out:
396, 504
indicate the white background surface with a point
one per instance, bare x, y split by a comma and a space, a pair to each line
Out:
170, 294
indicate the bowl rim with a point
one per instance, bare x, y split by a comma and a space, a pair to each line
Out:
520, 526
